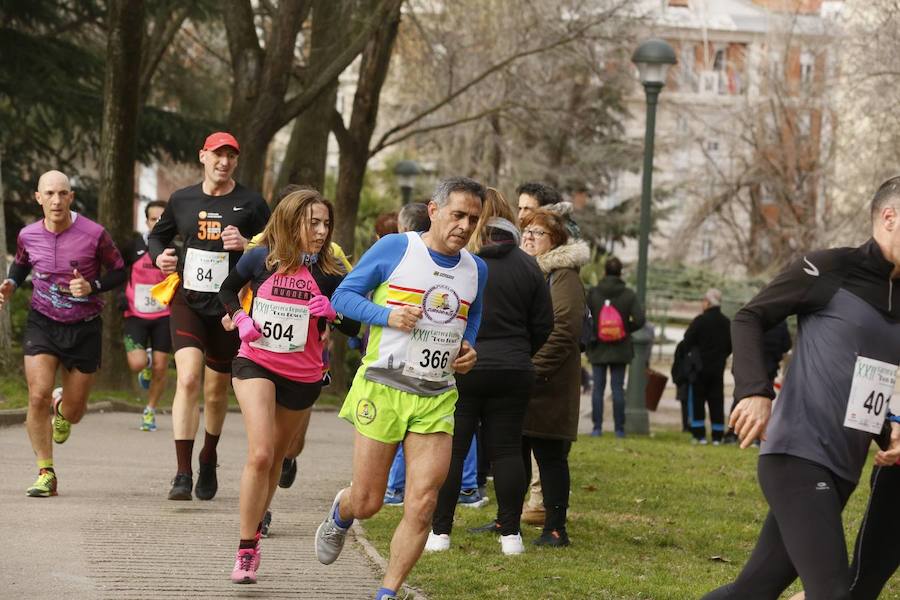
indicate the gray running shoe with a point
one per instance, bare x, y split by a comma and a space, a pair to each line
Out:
329, 537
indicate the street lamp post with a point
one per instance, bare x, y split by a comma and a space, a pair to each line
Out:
406, 172
653, 59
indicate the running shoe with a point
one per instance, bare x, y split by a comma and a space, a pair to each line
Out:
330, 536
144, 377
148, 420
511, 545
471, 498
288, 473
437, 542
44, 486
393, 497
553, 539
61, 427
245, 565
207, 483
181, 487
266, 523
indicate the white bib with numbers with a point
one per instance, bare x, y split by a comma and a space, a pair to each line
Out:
204, 271
870, 394
144, 302
284, 326
431, 351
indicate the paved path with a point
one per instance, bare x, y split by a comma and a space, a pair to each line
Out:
112, 534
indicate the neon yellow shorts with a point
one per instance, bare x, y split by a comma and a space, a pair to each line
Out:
385, 414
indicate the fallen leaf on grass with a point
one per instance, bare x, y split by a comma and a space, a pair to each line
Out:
589, 488
719, 559
640, 500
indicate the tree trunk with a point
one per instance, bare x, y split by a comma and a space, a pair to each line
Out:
117, 157
354, 144
307, 152
8, 362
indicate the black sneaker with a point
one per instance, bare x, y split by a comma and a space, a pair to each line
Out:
266, 523
554, 539
181, 487
730, 438
492, 527
207, 484
288, 472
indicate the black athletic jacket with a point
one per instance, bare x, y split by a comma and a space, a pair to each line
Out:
844, 300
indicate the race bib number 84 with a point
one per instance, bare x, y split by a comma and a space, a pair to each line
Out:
870, 394
204, 271
430, 353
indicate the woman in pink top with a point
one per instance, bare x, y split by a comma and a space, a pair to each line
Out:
277, 375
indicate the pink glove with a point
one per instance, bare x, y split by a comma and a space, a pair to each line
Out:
320, 306
248, 330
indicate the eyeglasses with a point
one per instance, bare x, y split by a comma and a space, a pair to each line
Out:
535, 233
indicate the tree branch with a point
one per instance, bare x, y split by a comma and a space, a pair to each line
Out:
165, 28
384, 143
576, 34
320, 81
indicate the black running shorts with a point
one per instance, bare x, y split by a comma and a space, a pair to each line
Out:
141, 334
76, 345
193, 330
292, 395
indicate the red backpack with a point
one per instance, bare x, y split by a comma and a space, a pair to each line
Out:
610, 327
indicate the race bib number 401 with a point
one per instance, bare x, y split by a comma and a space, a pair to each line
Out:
204, 271
870, 394
284, 326
144, 302
430, 353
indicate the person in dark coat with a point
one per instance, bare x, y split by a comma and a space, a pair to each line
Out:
612, 356
709, 334
517, 319
551, 423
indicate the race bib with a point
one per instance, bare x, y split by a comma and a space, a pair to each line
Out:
144, 302
430, 353
870, 394
284, 326
204, 271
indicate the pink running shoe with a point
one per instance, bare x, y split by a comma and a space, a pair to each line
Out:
258, 552
245, 564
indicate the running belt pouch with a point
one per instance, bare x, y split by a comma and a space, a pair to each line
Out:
656, 384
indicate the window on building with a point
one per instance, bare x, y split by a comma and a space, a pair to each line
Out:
687, 64
807, 67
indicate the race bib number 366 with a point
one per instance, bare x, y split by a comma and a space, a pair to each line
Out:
870, 394
430, 353
204, 271
284, 326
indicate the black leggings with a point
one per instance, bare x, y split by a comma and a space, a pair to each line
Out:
552, 458
876, 554
802, 534
498, 399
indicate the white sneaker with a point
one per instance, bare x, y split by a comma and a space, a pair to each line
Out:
437, 542
512, 544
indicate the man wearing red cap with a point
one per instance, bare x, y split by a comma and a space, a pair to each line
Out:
215, 219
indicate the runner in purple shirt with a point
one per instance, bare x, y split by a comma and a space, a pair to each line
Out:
65, 253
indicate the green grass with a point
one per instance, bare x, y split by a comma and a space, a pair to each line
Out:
649, 518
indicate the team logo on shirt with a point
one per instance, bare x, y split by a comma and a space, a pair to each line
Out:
365, 412
440, 304
209, 226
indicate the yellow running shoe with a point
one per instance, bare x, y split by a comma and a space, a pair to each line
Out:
61, 427
44, 485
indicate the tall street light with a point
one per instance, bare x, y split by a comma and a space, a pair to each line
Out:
653, 59
406, 172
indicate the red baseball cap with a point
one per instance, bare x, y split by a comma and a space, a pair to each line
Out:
220, 138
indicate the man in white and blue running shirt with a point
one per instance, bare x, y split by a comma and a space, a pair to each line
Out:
424, 315
832, 404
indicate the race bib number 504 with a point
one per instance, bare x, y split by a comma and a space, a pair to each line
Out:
870, 394
284, 326
430, 353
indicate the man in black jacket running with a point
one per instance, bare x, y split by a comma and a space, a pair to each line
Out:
833, 402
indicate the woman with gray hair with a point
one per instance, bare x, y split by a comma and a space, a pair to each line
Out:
517, 319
